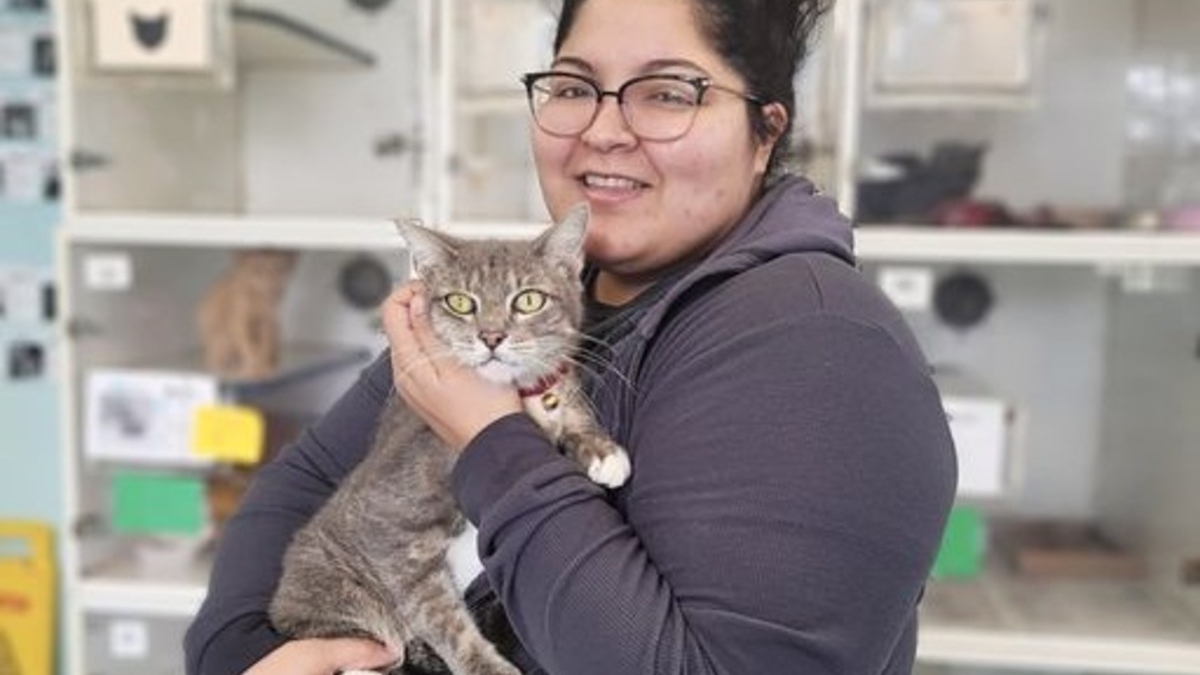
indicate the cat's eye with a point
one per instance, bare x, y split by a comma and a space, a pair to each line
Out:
529, 301
459, 303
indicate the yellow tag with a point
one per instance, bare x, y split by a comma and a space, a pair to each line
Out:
228, 433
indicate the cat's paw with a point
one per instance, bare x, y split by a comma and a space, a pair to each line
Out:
611, 470
503, 668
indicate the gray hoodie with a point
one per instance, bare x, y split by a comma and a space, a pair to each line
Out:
792, 471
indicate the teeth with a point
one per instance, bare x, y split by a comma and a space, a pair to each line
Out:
610, 182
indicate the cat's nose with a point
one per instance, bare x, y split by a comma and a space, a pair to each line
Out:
492, 338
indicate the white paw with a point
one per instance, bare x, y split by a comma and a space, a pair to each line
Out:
612, 470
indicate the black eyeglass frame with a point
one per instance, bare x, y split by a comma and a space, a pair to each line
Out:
701, 83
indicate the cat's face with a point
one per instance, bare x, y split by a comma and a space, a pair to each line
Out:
509, 309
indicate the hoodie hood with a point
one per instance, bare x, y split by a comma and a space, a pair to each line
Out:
790, 218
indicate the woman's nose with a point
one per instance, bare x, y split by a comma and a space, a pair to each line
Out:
609, 129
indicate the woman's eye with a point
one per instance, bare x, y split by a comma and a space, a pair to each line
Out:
664, 94
672, 97
571, 91
459, 303
528, 302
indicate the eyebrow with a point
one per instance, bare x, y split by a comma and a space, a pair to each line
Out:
650, 67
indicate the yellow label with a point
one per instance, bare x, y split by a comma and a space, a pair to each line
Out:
228, 433
27, 599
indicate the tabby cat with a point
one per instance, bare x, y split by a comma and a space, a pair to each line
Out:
239, 316
372, 562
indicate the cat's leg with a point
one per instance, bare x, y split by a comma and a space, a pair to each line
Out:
441, 618
581, 439
269, 340
318, 597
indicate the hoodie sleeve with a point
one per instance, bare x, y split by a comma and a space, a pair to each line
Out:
231, 631
791, 476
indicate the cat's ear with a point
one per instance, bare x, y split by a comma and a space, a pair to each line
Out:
563, 241
427, 247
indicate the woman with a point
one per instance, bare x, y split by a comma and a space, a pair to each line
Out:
792, 465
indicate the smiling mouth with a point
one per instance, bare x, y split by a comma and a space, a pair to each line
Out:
600, 181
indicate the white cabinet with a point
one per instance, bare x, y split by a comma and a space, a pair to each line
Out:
1050, 193
312, 123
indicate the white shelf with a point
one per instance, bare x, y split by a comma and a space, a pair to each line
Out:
495, 229
494, 103
1095, 626
1033, 247
140, 597
119, 584
1049, 651
121, 593
232, 231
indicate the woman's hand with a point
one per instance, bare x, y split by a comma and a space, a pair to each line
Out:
324, 657
454, 400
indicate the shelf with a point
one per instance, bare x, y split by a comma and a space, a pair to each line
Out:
104, 595
266, 37
1103, 626
1047, 651
494, 103
496, 229
1038, 647
1033, 247
119, 585
234, 231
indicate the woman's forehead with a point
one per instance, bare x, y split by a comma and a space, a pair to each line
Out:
637, 36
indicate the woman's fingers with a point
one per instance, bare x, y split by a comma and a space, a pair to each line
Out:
325, 657
351, 654
422, 333
409, 335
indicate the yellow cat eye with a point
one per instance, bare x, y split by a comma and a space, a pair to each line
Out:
459, 303
528, 302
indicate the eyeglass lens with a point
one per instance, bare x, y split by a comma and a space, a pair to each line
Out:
655, 108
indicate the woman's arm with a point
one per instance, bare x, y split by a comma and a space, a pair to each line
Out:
791, 478
231, 631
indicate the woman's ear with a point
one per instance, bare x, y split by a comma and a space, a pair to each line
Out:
776, 117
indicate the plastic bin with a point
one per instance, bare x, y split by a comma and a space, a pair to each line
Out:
26, 598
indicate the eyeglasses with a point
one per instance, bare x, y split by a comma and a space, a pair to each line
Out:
656, 107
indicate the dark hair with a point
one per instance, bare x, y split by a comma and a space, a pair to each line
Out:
765, 41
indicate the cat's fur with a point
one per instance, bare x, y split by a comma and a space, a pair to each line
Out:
238, 318
372, 563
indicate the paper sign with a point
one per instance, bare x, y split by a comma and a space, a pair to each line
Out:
150, 503
23, 175
144, 415
228, 433
129, 639
21, 292
107, 272
979, 426
14, 59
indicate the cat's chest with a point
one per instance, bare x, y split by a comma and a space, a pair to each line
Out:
547, 408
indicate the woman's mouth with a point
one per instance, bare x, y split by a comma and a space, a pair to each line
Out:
610, 182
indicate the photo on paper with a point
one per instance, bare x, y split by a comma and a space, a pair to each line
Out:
18, 121
43, 59
26, 360
27, 5
143, 416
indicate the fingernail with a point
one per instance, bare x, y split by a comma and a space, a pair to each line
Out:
418, 305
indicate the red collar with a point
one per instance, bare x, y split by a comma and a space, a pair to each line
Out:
543, 384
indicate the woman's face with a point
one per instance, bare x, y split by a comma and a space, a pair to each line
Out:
654, 203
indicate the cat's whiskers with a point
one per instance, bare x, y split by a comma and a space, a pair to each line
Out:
587, 358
